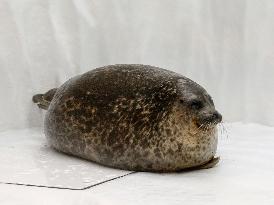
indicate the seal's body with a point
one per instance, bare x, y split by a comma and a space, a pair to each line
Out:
134, 117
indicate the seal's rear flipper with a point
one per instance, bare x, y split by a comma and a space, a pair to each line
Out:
43, 100
210, 164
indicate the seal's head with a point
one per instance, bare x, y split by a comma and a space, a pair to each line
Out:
196, 106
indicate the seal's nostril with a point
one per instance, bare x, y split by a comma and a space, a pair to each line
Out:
217, 116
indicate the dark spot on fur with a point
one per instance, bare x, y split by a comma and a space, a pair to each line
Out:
170, 151
168, 131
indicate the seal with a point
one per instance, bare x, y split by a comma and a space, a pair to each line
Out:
133, 117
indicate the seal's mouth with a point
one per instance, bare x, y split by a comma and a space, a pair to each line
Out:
209, 121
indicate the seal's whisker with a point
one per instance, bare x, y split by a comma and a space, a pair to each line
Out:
225, 130
222, 129
199, 128
205, 127
208, 126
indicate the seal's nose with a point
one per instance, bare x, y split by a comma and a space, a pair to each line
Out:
217, 116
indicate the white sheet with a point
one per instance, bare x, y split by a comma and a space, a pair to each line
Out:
243, 176
227, 46
26, 158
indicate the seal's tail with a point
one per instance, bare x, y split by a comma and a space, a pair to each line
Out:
43, 100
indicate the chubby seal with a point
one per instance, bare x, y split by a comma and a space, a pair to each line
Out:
133, 117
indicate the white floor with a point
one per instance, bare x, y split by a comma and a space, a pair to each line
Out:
245, 174
27, 159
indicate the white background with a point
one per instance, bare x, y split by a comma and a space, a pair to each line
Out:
226, 46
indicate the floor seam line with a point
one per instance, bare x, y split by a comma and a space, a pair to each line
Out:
66, 188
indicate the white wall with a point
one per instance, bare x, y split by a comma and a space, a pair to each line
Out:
226, 46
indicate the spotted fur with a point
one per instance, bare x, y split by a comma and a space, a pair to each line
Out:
129, 117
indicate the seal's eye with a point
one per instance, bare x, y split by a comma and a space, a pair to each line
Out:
196, 104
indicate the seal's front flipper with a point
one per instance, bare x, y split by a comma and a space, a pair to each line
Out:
43, 100
210, 164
